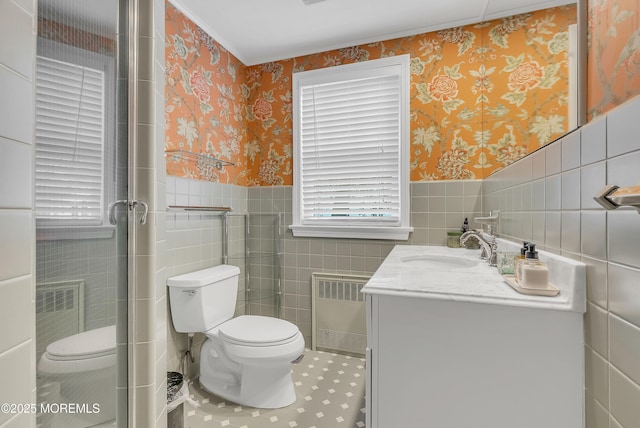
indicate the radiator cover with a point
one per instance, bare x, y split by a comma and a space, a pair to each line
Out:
59, 311
338, 313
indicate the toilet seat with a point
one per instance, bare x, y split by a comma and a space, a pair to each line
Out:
88, 344
86, 351
257, 331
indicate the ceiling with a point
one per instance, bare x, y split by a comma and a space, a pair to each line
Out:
259, 31
95, 16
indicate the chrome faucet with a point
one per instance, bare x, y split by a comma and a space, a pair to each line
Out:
489, 247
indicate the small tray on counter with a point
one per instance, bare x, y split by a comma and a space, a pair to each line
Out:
550, 290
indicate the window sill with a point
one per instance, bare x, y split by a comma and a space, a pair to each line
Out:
79, 232
353, 232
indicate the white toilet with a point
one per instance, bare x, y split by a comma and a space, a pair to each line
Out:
244, 359
85, 367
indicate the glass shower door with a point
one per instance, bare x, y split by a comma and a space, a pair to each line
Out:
81, 166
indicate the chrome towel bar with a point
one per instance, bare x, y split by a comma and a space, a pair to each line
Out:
612, 197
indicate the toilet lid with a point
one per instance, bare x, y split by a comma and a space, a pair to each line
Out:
88, 344
255, 330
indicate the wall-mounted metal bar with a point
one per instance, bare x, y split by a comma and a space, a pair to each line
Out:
225, 238
214, 161
612, 197
199, 208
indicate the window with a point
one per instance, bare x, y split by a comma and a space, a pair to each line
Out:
70, 134
351, 150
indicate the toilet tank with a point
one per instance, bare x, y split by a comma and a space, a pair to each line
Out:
203, 299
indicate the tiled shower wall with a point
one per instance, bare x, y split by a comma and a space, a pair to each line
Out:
547, 198
17, 239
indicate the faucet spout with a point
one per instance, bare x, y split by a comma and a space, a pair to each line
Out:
488, 247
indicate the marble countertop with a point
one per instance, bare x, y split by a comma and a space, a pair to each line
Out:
478, 283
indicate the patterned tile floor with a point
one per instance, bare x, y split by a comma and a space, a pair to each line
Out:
329, 394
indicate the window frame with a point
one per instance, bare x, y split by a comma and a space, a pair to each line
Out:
52, 228
355, 229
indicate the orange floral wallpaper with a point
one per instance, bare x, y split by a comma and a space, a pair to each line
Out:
204, 104
614, 54
481, 96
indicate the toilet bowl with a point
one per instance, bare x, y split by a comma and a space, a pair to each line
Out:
245, 359
85, 367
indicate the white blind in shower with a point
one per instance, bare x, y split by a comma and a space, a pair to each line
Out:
349, 141
70, 137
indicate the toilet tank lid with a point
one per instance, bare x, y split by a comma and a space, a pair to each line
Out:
203, 277
91, 343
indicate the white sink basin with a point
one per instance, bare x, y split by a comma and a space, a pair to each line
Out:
440, 262
439, 272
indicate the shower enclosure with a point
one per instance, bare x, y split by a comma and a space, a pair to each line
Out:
81, 186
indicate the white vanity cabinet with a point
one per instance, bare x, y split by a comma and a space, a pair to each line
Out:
439, 360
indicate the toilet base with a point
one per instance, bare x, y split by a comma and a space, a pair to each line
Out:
269, 387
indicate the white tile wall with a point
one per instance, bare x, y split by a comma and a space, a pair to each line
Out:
623, 231
570, 190
608, 151
17, 108
570, 231
153, 382
15, 302
624, 396
552, 191
594, 141
571, 151
538, 160
17, 350
598, 380
624, 292
596, 281
593, 233
592, 178
18, 365
16, 245
624, 341
596, 332
596, 415
623, 128
553, 159
17, 55
15, 174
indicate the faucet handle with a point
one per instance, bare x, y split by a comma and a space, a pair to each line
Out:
493, 257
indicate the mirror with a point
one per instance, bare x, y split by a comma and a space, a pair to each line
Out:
550, 118
494, 92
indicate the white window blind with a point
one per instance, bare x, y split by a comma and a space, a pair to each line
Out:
70, 138
349, 147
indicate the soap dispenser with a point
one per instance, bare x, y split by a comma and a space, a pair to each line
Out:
534, 273
517, 260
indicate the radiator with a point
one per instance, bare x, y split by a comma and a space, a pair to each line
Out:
59, 311
338, 313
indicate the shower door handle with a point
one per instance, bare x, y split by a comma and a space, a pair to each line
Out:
112, 209
145, 209
131, 205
